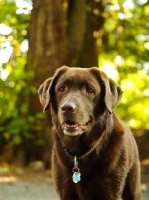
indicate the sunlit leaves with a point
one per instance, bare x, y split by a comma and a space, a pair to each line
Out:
135, 100
14, 124
126, 48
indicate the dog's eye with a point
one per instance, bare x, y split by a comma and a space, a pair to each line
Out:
61, 88
89, 90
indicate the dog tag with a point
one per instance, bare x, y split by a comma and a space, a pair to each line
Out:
76, 177
76, 172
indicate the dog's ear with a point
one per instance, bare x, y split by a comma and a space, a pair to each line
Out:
46, 87
112, 91
44, 95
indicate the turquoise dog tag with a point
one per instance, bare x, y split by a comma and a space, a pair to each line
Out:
76, 177
76, 172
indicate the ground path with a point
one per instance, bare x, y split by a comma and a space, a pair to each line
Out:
28, 184
33, 191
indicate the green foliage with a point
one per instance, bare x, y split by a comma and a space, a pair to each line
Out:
15, 124
124, 56
134, 105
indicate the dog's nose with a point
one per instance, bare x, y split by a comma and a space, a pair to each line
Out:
68, 107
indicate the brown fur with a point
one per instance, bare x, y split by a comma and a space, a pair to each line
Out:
82, 102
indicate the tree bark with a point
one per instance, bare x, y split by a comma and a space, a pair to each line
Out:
76, 29
94, 23
47, 38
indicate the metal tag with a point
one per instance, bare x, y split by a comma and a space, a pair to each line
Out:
76, 172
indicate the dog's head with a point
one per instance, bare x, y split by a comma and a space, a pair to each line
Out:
77, 96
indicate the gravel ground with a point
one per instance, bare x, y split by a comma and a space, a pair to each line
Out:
27, 191
21, 190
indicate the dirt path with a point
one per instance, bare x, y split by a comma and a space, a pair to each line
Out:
33, 191
28, 184
27, 191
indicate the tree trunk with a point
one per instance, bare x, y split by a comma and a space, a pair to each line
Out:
62, 32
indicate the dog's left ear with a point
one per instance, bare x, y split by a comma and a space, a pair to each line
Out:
113, 91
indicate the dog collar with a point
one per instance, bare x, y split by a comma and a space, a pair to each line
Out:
76, 171
71, 156
68, 153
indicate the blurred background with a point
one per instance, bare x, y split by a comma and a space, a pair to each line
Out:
37, 37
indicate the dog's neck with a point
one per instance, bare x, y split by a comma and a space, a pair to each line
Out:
71, 156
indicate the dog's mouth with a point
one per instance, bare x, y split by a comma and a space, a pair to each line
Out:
72, 128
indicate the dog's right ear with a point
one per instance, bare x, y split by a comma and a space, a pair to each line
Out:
43, 92
45, 88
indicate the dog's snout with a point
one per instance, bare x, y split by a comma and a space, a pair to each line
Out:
68, 107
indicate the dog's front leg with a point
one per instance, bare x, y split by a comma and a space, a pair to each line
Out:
132, 190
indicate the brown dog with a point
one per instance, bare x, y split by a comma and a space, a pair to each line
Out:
95, 156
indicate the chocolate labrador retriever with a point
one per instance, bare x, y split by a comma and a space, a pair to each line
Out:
95, 156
